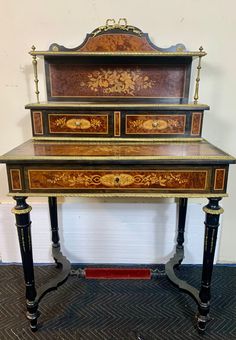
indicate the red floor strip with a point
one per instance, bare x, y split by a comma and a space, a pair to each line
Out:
118, 273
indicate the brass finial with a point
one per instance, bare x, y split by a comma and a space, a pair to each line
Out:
35, 64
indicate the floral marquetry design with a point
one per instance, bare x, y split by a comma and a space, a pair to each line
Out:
102, 179
116, 42
118, 81
155, 124
87, 79
78, 123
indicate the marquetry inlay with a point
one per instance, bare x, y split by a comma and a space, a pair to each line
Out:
37, 122
15, 177
78, 123
219, 181
196, 123
155, 124
115, 179
117, 122
77, 80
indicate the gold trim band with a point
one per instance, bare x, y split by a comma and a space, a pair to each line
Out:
157, 53
116, 105
213, 212
117, 194
115, 158
21, 211
120, 140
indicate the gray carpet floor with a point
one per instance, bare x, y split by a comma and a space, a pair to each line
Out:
117, 309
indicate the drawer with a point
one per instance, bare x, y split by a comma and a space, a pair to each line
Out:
163, 124
76, 123
155, 124
45, 178
162, 179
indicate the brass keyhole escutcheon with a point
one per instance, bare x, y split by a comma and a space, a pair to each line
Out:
117, 181
77, 123
154, 124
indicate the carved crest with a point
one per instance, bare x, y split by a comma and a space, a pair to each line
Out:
117, 37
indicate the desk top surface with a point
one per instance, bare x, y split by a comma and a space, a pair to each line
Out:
156, 152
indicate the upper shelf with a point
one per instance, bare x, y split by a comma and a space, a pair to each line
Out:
118, 39
115, 106
118, 54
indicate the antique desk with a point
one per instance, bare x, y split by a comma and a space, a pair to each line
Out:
117, 122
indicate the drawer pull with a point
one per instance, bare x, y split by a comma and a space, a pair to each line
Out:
78, 124
158, 124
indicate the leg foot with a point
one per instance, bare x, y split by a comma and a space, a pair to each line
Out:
213, 211
32, 315
201, 322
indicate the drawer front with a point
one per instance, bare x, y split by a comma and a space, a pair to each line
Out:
119, 179
78, 123
162, 124
73, 124
155, 124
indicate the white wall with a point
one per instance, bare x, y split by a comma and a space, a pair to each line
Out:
107, 231
209, 23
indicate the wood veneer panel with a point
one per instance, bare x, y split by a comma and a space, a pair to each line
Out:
165, 179
78, 123
155, 124
74, 80
116, 42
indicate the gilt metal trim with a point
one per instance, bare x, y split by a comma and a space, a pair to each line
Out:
213, 212
21, 211
118, 194
136, 54
116, 139
121, 25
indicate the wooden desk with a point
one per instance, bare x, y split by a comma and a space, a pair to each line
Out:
118, 147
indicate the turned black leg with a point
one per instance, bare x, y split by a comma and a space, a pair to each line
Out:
213, 211
23, 224
52, 203
183, 202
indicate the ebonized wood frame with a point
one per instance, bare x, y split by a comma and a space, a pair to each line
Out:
201, 297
